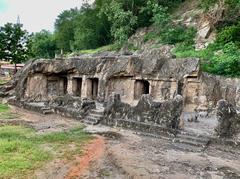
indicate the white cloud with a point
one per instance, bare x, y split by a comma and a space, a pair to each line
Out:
36, 15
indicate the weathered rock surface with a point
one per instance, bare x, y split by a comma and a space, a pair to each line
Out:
229, 120
146, 115
167, 77
65, 83
72, 106
218, 87
106, 67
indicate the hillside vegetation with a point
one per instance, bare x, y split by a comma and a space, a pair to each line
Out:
106, 25
102, 23
221, 57
114, 21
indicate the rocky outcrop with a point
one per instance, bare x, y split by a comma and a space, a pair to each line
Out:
162, 76
166, 76
106, 68
72, 106
229, 120
146, 116
218, 87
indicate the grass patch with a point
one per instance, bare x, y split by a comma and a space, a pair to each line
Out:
22, 150
18, 153
4, 108
5, 112
3, 81
112, 47
184, 51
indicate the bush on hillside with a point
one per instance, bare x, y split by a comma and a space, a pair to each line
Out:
229, 34
226, 62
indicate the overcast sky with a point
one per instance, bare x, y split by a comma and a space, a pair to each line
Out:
35, 15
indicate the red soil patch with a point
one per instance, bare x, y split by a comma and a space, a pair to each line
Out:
93, 151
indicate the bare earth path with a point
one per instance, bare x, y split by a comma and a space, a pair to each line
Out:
121, 154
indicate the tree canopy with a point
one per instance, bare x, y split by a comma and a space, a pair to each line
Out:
14, 43
43, 45
112, 22
104, 22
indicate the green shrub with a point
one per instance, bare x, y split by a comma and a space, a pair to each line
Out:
206, 4
220, 60
150, 36
178, 34
168, 32
111, 47
226, 62
122, 22
229, 34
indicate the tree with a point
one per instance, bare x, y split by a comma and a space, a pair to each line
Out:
43, 45
15, 43
104, 22
91, 29
122, 22
64, 29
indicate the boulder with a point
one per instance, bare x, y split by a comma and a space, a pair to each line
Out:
228, 119
204, 30
146, 112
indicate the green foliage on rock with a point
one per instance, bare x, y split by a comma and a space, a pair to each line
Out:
166, 31
111, 47
229, 34
206, 4
5, 112
226, 62
222, 57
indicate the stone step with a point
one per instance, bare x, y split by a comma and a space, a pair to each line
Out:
99, 105
193, 138
190, 142
45, 108
96, 115
187, 147
46, 112
164, 137
95, 111
91, 120
147, 117
144, 127
192, 134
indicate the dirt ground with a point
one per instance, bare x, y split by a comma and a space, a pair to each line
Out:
122, 154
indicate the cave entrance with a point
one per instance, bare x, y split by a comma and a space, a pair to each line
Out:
141, 87
65, 83
77, 87
57, 85
92, 88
